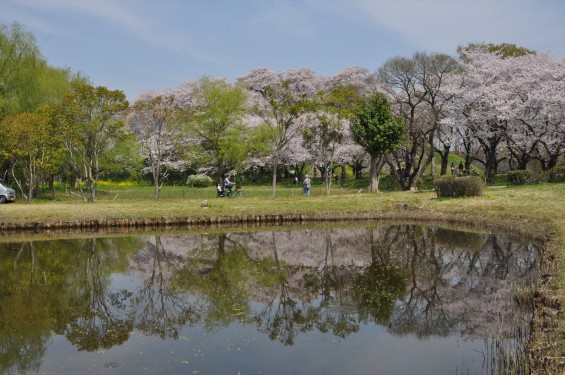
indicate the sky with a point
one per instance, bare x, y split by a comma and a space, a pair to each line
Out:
143, 45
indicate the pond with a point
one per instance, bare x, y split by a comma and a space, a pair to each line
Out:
387, 299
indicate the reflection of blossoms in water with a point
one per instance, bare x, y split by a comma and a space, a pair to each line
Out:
412, 280
439, 281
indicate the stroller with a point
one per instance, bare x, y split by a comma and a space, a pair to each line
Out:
220, 191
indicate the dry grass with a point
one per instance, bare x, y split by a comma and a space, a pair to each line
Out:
537, 211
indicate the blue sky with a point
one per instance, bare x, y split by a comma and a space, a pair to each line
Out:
139, 45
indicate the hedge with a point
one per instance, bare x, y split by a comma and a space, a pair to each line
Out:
467, 186
556, 174
526, 177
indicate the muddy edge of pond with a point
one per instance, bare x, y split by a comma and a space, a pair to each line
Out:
543, 347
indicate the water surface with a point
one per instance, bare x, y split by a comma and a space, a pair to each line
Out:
380, 299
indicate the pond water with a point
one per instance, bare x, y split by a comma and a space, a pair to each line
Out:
375, 299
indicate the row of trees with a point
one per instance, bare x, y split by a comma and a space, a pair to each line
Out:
494, 102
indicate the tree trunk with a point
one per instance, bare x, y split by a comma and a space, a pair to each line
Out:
491, 166
328, 178
444, 154
357, 167
30, 183
375, 168
490, 149
91, 189
274, 186
157, 183
299, 170
90, 186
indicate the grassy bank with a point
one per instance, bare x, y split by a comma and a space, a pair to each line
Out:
537, 211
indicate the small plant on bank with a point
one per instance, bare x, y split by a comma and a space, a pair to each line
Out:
199, 180
467, 186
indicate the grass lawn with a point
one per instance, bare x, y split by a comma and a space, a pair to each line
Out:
536, 210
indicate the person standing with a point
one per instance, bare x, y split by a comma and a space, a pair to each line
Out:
307, 186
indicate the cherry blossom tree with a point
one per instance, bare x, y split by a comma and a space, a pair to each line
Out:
477, 113
343, 93
535, 99
435, 68
295, 155
183, 95
159, 135
515, 101
280, 99
322, 138
356, 79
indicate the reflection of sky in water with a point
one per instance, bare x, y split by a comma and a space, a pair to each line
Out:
241, 349
431, 343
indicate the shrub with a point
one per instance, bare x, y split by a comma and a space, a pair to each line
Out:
199, 180
426, 182
387, 183
526, 177
556, 174
467, 186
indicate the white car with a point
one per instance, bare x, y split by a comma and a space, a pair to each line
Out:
7, 194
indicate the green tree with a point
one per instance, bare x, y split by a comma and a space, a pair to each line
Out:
378, 131
18, 51
33, 146
26, 80
93, 124
342, 99
216, 122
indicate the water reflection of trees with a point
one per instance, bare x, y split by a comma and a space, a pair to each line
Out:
94, 318
299, 303
157, 307
24, 327
413, 280
467, 289
328, 298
